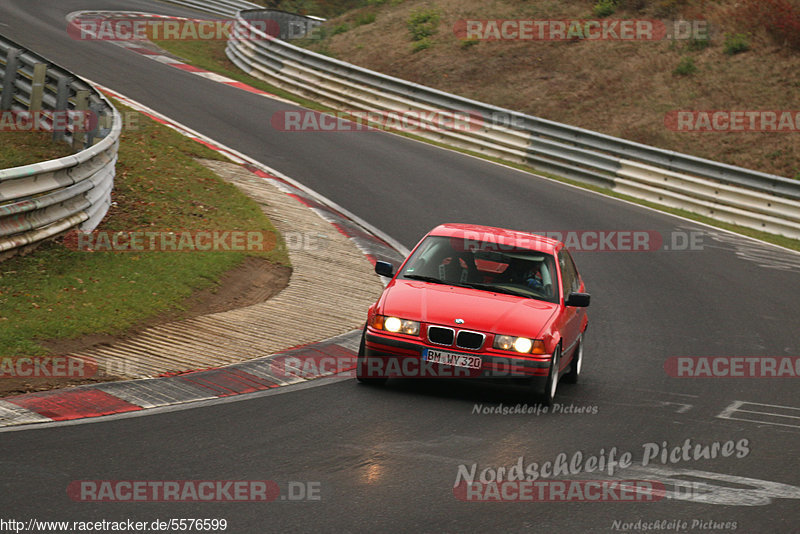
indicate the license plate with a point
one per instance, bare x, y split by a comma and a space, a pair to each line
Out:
452, 358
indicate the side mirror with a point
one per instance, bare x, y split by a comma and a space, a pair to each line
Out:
384, 268
577, 300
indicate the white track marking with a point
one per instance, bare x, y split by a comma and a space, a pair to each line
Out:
738, 411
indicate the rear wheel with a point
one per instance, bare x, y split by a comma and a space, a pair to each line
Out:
361, 364
575, 365
551, 384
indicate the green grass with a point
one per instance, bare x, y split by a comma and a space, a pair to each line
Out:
208, 52
23, 148
59, 293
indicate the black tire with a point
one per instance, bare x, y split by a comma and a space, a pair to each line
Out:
548, 393
576, 364
361, 363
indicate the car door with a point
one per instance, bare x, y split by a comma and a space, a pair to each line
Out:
572, 317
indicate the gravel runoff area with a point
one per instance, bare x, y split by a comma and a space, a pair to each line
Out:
331, 287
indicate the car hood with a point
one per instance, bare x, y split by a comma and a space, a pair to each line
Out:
481, 310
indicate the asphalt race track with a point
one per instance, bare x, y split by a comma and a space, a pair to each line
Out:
386, 459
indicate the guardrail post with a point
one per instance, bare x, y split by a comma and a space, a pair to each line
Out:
12, 64
62, 102
81, 104
97, 114
37, 86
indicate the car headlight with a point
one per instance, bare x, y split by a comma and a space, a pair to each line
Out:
396, 325
519, 344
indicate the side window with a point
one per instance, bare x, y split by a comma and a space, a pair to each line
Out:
568, 278
576, 282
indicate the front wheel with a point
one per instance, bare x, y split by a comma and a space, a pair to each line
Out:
575, 365
551, 384
362, 367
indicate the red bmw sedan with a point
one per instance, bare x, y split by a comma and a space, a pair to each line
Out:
479, 302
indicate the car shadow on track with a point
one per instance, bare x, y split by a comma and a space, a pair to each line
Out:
468, 391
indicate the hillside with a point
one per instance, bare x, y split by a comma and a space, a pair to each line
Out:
750, 62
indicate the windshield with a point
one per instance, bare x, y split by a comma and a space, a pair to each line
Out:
484, 266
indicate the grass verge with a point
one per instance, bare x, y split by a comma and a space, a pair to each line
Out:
210, 55
23, 148
59, 293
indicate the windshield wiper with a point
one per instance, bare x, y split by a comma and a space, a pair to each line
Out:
423, 278
507, 291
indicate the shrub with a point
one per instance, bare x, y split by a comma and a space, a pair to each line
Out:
421, 44
686, 67
365, 18
604, 8
423, 23
341, 28
736, 43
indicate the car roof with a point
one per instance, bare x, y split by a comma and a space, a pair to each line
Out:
500, 236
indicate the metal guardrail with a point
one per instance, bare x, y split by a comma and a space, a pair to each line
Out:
724, 192
43, 200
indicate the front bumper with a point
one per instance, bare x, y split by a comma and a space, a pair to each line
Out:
387, 356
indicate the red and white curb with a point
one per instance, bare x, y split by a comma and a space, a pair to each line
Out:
333, 357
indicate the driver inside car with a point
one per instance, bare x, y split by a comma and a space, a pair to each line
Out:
533, 279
